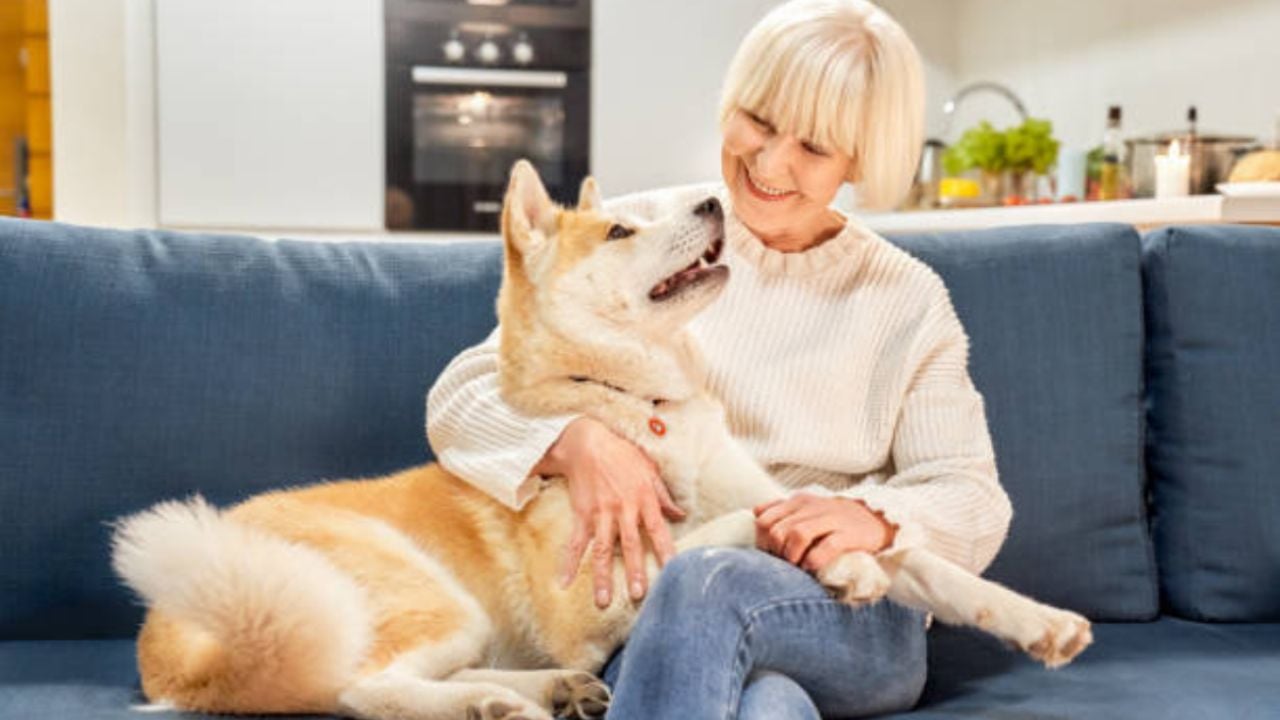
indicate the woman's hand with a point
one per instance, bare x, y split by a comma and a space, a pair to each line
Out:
810, 531
616, 492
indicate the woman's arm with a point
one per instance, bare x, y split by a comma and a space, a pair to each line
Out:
480, 438
614, 489
945, 492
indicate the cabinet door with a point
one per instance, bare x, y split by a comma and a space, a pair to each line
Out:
270, 113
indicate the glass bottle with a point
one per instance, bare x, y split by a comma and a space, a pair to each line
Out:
1111, 183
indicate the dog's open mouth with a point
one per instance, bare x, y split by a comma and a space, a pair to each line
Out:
695, 274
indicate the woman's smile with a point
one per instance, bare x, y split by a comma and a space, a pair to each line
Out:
763, 191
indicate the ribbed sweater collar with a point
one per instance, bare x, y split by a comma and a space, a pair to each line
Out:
826, 256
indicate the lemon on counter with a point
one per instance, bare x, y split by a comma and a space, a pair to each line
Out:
959, 188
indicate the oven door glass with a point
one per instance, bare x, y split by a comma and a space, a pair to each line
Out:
455, 132
473, 137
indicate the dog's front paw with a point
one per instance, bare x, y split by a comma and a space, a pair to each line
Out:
1048, 634
579, 695
855, 578
1064, 636
508, 707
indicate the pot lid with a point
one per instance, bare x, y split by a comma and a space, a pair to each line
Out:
1165, 138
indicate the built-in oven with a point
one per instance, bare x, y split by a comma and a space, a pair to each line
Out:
473, 86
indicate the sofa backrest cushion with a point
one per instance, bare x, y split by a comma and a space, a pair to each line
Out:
1213, 448
1054, 319
141, 366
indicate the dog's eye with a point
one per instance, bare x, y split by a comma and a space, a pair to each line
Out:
618, 232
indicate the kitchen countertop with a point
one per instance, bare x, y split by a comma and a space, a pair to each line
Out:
1143, 214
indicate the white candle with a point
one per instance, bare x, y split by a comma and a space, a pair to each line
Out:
1173, 173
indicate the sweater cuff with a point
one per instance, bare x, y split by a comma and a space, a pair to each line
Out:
505, 472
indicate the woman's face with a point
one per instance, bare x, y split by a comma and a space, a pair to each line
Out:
781, 185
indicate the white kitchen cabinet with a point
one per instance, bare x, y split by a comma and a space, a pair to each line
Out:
270, 113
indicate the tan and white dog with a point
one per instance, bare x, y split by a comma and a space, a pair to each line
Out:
418, 596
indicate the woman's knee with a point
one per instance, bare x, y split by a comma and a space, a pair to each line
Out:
771, 696
731, 577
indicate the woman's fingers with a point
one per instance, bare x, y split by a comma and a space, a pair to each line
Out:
762, 507
573, 552
824, 551
632, 553
655, 526
801, 538
669, 507
772, 512
602, 558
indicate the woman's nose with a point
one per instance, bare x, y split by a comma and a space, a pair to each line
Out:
773, 158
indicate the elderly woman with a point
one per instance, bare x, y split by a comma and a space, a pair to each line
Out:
843, 368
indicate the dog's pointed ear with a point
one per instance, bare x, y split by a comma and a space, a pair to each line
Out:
589, 196
528, 212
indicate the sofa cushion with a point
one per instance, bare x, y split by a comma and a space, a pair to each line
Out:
1171, 669
1213, 310
1054, 318
76, 679
140, 366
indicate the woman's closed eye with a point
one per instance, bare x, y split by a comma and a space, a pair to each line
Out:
813, 149
759, 121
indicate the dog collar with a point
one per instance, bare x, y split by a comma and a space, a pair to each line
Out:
656, 426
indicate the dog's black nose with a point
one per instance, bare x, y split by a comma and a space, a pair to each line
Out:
709, 208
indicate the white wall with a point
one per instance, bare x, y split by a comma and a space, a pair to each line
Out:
656, 88
270, 114
101, 57
1069, 61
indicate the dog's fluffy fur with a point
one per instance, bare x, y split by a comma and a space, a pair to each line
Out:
384, 598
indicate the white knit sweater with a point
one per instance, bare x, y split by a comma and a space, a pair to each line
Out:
843, 366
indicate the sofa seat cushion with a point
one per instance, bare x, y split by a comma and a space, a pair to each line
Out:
1169, 669
1054, 317
82, 679
1213, 311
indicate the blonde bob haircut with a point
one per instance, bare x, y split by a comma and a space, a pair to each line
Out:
843, 75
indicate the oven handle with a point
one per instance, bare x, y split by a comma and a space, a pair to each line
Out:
430, 75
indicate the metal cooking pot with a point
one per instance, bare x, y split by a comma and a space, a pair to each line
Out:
1212, 157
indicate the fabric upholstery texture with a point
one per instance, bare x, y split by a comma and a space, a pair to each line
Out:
1213, 448
142, 366
1054, 316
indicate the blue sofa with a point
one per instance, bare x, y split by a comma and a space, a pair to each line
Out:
1130, 386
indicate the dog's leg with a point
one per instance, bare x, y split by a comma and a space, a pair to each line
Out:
922, 580
395, 695
565, 693
732, 529
730, 479
423, 683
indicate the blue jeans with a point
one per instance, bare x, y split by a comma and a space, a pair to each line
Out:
730, 634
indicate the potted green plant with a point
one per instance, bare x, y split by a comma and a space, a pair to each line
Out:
1030, 151
1022, 152
982, 148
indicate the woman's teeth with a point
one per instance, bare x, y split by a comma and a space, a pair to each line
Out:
765, 189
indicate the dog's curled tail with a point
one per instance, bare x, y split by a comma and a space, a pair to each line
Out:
253, 622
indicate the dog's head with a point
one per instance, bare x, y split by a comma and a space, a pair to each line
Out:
588, 271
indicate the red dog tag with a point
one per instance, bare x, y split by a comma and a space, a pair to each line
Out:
657, 426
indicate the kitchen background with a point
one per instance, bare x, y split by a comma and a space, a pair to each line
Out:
269, 115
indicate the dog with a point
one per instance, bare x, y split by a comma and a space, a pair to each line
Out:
417, 596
